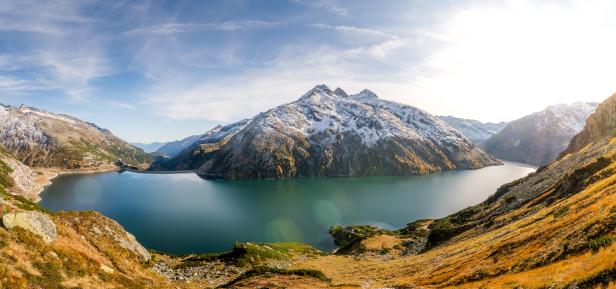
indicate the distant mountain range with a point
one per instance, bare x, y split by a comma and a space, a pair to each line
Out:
476, 131
539, 137
173, 148
44, 139
149, 147
195, 150
329, 133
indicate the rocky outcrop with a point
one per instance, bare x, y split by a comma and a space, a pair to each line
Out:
328, 133
538, 138
44, 139
112, 230
23, 183
35, 222
601, 124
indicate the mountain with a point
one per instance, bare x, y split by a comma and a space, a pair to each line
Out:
173, 148
149, 147
329, 133
44, 139
194, 155
474, 130
538, 138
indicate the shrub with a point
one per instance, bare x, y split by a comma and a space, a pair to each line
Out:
598, 243
561, 211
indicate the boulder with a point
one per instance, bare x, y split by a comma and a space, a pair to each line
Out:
35, 222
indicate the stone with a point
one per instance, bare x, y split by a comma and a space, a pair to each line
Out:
35, 222
106, 269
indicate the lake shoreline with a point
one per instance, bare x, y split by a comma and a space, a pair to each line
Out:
45, 176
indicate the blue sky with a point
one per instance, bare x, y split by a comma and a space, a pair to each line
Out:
162, 70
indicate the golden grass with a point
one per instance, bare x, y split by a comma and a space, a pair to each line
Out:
380, 242
506, 257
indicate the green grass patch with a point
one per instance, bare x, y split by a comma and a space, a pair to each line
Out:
264, 270
252, 254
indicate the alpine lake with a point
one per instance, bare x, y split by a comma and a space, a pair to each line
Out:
183, 213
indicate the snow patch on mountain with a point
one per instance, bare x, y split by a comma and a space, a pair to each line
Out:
320, 114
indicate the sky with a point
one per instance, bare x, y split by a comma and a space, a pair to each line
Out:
163, 70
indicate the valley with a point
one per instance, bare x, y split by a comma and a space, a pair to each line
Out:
302, 144
546, 229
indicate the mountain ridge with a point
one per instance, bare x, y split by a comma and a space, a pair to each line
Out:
474, 130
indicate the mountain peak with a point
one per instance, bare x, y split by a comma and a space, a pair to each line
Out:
340, 92
321, 88
366, 94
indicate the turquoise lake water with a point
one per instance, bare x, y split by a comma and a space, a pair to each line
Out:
182, 213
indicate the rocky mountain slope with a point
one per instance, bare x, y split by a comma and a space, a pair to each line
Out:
601, 124
476, 131
329, 133
44, 139
149, 147
538, 138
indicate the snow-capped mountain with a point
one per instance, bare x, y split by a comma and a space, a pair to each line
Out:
474, 130
539, 137
191, 156
41, 138
329, 133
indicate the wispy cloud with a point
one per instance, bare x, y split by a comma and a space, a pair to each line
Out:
353, 29
173, 28
66, 57
297, 68
328, 5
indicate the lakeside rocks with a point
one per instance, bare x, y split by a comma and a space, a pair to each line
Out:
35, 222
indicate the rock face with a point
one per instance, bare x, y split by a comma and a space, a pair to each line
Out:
329, 133
127, 241
40, 138
602, 123
21, 177
35, 222
476, 131
538, 138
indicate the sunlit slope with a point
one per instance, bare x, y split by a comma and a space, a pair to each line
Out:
556, 227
